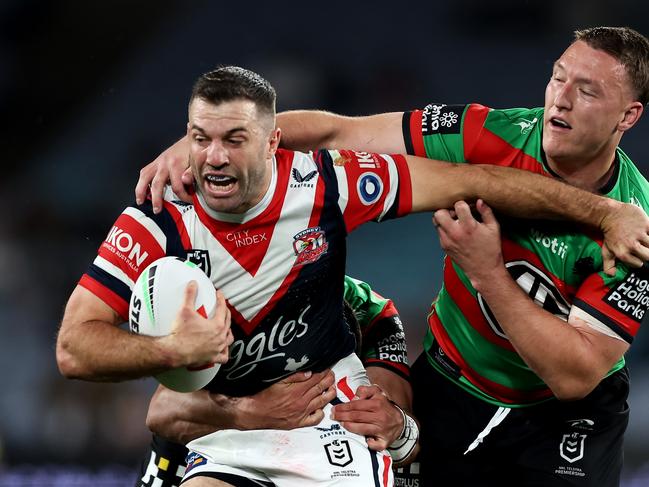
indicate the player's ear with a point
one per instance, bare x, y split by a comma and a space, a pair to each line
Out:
631, 116
273, 141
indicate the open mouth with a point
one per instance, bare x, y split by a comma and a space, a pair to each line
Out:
557, 122
220, 183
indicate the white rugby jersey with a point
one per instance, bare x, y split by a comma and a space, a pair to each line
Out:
280, 265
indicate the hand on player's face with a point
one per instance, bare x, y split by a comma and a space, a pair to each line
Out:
199, 340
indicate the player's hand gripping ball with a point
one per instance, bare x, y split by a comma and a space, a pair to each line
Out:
157, 296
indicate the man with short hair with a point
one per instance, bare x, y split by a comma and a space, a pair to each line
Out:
506, 391
272, 224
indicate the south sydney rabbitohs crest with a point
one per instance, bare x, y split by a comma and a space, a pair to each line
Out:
538, 286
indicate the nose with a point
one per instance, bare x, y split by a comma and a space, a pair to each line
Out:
563, 97
216, 155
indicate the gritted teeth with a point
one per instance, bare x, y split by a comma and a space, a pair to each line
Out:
557, 122
221, 180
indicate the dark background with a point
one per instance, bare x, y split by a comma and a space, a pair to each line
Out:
92, 91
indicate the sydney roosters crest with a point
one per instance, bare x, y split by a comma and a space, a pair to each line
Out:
309, 245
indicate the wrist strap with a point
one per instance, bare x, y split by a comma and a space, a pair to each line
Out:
403, 446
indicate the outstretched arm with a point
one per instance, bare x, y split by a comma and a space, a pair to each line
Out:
523, 194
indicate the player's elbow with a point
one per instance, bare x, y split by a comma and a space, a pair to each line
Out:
574, 388
69, 365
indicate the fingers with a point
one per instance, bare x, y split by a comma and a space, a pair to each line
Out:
608, 261
142, 187
177, 180
463, 212
486, 213
187, 177
158, 186
442, 218
222, 311
190, 294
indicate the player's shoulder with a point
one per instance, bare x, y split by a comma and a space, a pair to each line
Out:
631, 185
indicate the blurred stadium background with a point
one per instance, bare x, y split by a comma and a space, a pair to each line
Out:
92, 91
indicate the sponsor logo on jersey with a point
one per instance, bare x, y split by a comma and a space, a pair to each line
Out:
393, 348
630, 296
369, 188
122, 244
441, 119
333, 430
571, 448
201, 258
246, 355
581, 424
538, 286
367, 160
339, 453
302, 181
526, 125
309, 245
553, 244
243, 238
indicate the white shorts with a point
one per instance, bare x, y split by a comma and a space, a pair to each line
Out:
326, 454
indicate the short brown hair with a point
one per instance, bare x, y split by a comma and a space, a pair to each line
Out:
627, 46
227, 83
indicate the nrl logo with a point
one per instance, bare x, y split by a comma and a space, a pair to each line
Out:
571, 448
339, 453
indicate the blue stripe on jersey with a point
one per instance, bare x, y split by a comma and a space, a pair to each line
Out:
375, 467
166, 223
604, 319
112, 283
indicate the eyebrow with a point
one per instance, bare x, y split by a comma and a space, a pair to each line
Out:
579, 79
229, 132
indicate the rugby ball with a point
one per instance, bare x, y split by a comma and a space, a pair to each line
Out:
157, 296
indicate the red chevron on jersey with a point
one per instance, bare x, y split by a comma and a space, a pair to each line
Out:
247, 242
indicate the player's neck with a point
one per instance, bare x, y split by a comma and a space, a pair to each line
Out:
590, 176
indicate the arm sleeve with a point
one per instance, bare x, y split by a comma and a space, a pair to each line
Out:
614, 305
136, 239
370, 187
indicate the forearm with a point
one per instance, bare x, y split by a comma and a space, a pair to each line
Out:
99, 351
396, 387
182, 417
524, 194
571, 358
511, 191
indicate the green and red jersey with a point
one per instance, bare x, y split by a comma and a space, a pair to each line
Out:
558, 265
383, 342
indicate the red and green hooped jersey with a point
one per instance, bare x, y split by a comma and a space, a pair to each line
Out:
557, 264
383, 342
